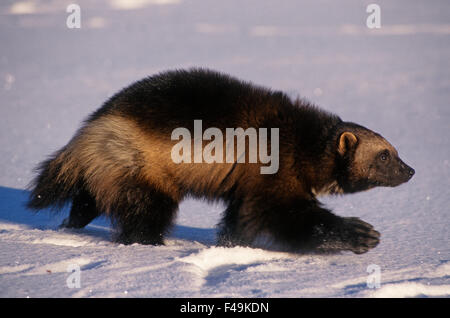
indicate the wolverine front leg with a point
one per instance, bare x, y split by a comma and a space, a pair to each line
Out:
353, 234
303, 225
308, 226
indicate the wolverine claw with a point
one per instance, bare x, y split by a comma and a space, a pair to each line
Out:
350, 233
359, 235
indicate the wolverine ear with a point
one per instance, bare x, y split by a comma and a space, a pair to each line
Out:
347, 140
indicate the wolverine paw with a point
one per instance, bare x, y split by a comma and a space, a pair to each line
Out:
347, 234
358, 236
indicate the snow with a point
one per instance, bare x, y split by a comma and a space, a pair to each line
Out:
411, 290
395, 81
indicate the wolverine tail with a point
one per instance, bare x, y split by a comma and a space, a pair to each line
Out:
100, 159
56, 183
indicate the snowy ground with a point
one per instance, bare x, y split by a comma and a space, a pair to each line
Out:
395, 80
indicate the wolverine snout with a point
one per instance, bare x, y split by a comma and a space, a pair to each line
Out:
404, 173
408, 171
411, 172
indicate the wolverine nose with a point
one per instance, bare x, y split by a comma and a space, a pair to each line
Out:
411, 172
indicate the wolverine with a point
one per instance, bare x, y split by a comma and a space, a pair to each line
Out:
119, 163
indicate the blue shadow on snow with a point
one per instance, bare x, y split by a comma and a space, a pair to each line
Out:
13, 210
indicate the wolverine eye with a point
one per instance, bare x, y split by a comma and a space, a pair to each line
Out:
384, 155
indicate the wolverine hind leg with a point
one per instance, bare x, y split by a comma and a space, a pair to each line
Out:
143, 214
83, 211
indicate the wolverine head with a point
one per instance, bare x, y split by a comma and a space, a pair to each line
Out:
366, 160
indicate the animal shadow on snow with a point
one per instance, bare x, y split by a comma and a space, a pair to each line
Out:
13, 210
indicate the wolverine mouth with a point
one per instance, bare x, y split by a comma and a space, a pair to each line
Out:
392, 183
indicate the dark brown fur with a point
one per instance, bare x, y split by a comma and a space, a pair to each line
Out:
119, 163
